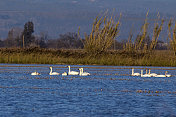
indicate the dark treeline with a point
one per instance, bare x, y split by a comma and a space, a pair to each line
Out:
18, 38
24, 38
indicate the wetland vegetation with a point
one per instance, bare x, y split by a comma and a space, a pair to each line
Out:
100, 47
60, 56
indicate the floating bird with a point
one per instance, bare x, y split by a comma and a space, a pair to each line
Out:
81, 73
145, 75
35, 73
165, 75
64, 74
135, 74
72, 72
152, 74
53, 73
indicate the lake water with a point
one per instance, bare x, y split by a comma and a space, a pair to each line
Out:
108, 91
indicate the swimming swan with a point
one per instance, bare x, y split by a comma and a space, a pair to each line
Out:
72, 72
35, 73
166, 75
145, 75
152, 74
135, 74
64, 74
81, 73
53, 73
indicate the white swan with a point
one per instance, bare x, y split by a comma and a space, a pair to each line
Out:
165, 75
81, 73
152, 74
145, 75
135, 74
72, 72
160, 75
53, 73
35, 73
64, 74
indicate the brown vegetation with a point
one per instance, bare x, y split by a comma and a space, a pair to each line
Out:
80, 56
104, 31
99, 47
172, 37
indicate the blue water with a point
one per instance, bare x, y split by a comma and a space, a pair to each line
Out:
108, 91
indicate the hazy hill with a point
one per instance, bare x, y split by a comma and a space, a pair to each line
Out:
60, 16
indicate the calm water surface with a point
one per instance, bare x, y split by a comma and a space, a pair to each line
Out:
109, 91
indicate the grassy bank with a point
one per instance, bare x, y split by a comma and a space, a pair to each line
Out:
118, 58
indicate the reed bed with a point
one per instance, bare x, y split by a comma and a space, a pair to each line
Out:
80, 57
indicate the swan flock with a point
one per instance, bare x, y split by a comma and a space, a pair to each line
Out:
81, 73
148, 74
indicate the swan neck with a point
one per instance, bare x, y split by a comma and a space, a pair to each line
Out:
132, 71
68, 68
149, 71
80, 71
51, 70
141, 72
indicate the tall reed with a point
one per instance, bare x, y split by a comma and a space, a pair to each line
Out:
139, 43
172, 37
101, 38
129, 46
156, 32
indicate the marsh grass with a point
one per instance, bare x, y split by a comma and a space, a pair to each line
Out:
172, 36
103, 34
141, 42
80, 57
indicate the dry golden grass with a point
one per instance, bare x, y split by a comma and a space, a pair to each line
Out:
117, 58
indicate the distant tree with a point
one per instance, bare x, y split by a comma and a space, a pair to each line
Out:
69, 40
19, 41
1, 43
13, 39
41, 40
52, 43
27, 33
10, 41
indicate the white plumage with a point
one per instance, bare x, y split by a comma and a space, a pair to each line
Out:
35, 73
72, 72
53, 73
135, 74
81, 73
